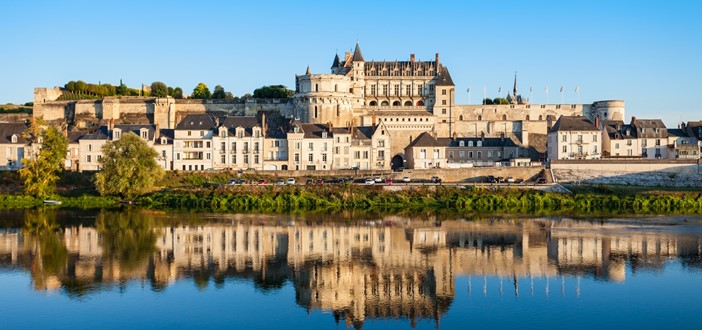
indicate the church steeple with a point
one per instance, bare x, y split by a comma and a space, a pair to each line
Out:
308, 70
514, 91
357, 56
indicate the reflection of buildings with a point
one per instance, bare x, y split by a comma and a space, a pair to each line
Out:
359, 272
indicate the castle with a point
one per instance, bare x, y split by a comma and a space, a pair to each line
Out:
410, 97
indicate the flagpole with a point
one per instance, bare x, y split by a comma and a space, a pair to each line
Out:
561, 94
577, 91
546, 91
484, 93
468, 90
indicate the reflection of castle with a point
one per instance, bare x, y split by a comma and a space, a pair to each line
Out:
359, 272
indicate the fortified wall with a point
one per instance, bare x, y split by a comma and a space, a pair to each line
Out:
165, 112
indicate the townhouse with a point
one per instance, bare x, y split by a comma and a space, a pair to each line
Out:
574, 137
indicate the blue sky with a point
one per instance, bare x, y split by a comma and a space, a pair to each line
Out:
644, 52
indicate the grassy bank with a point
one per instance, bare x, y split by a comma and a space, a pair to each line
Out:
83, 202
469, 200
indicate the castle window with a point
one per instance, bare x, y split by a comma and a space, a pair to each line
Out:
315, 111
396, 89
14, 138
470, 144
335, 88
373, 90
408, 90
385, 89
527, 117
443, 92
541, 117
443, 102
461, 144
373, 103
316, 87
504, 117
480, 117
338, 110
396, 103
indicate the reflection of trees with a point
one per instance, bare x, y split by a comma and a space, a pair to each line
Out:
50, 255
127, 237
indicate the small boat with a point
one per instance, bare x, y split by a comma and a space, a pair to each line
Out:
51, 202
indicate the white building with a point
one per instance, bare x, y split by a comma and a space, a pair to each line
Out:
574, 137
193, 143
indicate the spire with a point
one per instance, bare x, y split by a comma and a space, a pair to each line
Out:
308, 70
515, 84
337, 62
357, 56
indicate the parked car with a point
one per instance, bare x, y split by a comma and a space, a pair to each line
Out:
309, 181
541, 180
510, 179
262, 181
491, 179
378, 179
231, 182
370, 181
320, 181
388, 181
281, 182
435, 179
291, 181
519, 181
406, 179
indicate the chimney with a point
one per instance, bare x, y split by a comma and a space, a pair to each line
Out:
437, 61
633, 120
331, 126
411, 58
410, 139
455, 135
65, 130
597, 122
264, 124
502, 137
111, 124
374, 120
157, 133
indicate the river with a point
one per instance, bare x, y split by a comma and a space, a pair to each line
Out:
67, 269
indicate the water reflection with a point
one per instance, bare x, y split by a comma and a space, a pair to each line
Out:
391, 268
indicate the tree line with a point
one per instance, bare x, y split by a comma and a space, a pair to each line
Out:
82, 90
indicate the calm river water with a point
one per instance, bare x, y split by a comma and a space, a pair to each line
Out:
141, 269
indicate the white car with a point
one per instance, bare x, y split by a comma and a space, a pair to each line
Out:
291, 181
370, 181
406, 179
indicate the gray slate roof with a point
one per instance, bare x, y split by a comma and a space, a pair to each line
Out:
573, 123
245, 122
9, 129
198, 121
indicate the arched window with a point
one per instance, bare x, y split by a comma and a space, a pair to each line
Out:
315, 111
480, 117
527, 118
479, 143
384, 103
14, 138
420, 103
504, 117
396, 103
460, 118
461, 143
470, 143
541, 117
316, 87
408, 103
373, 103
336, 88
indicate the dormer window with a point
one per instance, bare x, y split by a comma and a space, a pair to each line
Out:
144, 134
480, 143
223, 132
239, 132
164, 140
324, 134
470, 143
296, 129
257, 132
14, 138
461, 143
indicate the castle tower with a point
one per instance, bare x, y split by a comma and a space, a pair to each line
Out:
323, 98
358, 73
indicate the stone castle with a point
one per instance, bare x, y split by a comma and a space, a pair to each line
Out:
409, 97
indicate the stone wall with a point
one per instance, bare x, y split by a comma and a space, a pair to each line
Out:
630, 166
637, 173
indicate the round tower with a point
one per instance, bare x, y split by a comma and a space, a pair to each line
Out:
323, 98
609, 110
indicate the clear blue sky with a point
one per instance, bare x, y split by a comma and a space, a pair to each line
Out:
644, 52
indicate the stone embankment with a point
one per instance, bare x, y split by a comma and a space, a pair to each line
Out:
666, 179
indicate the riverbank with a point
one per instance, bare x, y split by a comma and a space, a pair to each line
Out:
343, 197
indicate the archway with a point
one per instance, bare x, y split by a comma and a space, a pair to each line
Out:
373, 103
384, 103
408, 103
284, 168
420, 103
396, 103
397, 162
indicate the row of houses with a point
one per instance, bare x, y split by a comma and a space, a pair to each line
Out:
202, 142
576, 137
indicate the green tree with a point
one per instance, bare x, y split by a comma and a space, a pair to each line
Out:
488, 101
170, 91
81, 86
228, 96
41, 171
219, 93
122, 89
129, 168
178, 93
71, 85
159, 89
201, 92
500, 100
272, 92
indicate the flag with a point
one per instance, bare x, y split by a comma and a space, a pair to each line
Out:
561, 89
468, 90
499, 90
531, 89
546, 89
577, 89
